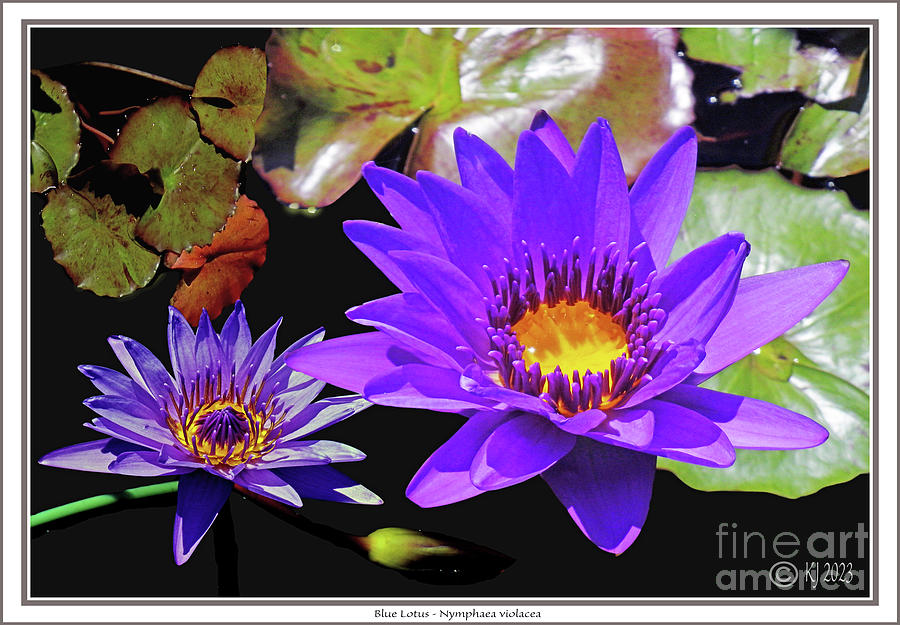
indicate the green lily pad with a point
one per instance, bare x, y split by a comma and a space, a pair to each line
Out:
57, 134
828, 143
336, 97
820, 367
631, 77
199, 185
93, 239
228, 98
771, 59
43, 169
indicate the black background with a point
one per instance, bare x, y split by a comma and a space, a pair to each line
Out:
311, 276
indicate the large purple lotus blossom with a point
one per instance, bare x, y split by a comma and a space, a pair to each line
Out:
232, 414
537, 301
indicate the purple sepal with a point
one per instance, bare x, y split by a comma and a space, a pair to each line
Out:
606, 491
142, 366
324, 482
268, 484
200, 497
321, 414
423, 386
444, 477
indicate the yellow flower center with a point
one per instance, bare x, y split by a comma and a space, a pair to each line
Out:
575, 338
225, 433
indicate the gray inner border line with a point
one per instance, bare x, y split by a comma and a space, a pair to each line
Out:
360, 602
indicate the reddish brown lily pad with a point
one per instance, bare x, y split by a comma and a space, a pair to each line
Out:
215, 275
228, 98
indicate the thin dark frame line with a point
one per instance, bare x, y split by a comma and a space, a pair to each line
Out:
873, 24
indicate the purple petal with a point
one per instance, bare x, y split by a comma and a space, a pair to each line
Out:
470, 230
144, 463
181, 340
551, 136
309, 453
423, 386
132, 416
110, 428
296, 378
200, 497
93, 456
140, 363
678, 433
411, 319
674, 367
235, 337
451, 292
600, 181
269, 484
765, 307
445, 477
662, 192
321, 414
351, 361
405, 201
484, 172
259, 359
579, 423
629, 428
546, 208
517, 450
698, 289
750, 423
376, 241
208, 352
111, 382
324, 482
606, 491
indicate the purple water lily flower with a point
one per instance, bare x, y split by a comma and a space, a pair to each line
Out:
537, 301
232, 414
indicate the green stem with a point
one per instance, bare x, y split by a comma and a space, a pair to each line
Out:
91, 503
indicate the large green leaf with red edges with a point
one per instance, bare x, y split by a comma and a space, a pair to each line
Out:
630, 76
215, 275
820, 367
772, 59
228, 98
93, 239
199, 186
828, 143
57, 134
337, 96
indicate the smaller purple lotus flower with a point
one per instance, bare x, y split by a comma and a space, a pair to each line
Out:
232, 414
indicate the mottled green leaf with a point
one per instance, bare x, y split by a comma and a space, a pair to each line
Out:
43, 169
772, 59
93, 239
827, 143
838, 405
632, 77
199, 185
335, 97
57, 131
819, 368
228, 98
